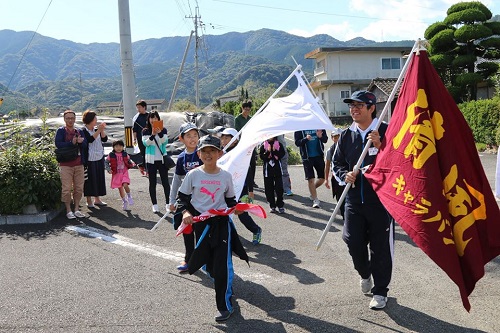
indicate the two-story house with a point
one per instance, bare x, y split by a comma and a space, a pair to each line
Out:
339, 71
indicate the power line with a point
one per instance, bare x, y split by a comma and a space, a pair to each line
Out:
27, 47
318, 13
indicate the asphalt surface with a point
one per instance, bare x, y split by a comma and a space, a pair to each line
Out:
110, 273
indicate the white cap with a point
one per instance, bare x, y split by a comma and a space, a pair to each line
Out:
336, 131
230, 131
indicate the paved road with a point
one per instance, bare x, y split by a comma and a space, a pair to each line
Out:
112, 274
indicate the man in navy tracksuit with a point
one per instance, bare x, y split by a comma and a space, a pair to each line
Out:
368, 227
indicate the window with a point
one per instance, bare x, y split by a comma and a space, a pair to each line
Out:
154, 107
320, 64
345, 94
391, 63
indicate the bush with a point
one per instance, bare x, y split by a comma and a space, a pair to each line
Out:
483, 117
293, 157
29, 177
29, 172
481, 147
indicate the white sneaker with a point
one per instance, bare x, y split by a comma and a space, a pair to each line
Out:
125, 204
366, 285
156, 209
378, 302
130, 201
316, 203
80, 214
71, 216
167, 209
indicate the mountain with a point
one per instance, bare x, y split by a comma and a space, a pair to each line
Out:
61, 73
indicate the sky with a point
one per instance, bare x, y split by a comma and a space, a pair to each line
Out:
89, 21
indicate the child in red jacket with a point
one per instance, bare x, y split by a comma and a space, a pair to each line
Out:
117, 163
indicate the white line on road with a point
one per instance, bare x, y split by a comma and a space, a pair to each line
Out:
152, 249
127, 242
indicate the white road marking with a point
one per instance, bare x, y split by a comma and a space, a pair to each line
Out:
153, 250
127, 242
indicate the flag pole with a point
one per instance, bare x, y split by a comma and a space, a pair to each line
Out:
416, 47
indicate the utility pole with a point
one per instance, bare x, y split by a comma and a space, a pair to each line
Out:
127, 67
171, 103
81, 93
197, 21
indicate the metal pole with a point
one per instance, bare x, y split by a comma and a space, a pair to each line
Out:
170, 104
127, 67
416, 47
196, 39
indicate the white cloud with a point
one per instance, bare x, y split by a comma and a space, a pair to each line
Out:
386, 20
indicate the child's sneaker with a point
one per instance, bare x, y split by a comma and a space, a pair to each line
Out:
246, 199
273, 210
125, 204
183, 267
257, 237
223, 315
130, 200
281, 210
155, 208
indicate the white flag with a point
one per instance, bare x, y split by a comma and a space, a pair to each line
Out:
298, 111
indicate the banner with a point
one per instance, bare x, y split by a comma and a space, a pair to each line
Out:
429, 177
298, 111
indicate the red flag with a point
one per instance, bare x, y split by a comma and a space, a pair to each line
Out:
245, 207
429, 177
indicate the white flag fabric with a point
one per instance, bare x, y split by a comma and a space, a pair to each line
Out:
298, 111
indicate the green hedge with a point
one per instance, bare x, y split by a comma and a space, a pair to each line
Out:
29, 172
483, 117
28, 177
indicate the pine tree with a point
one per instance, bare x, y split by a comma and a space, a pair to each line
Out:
462, 47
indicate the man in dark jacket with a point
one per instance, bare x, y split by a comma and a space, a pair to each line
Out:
312, 151
366, 222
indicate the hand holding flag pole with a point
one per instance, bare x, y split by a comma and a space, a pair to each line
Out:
416, 47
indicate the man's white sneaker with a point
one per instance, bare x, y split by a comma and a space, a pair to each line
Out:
156, 209
378, 302
316, 203
366, 285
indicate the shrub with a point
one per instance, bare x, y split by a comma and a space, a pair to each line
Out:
483, 117
29, 172
293, 156
28, 177
481, 147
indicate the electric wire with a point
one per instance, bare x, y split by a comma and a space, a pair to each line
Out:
27, 47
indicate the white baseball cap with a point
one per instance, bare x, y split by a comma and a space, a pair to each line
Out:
230, 131
336, 131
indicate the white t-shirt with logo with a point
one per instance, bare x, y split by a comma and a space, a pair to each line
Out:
208, 190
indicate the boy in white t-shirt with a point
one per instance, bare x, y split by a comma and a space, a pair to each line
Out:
209, 187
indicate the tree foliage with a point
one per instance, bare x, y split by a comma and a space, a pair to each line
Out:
466, 37
483, 117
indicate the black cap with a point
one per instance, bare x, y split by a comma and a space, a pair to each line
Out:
362, 96
209, 141
186, 127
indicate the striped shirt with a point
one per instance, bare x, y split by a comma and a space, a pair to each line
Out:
96, 149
